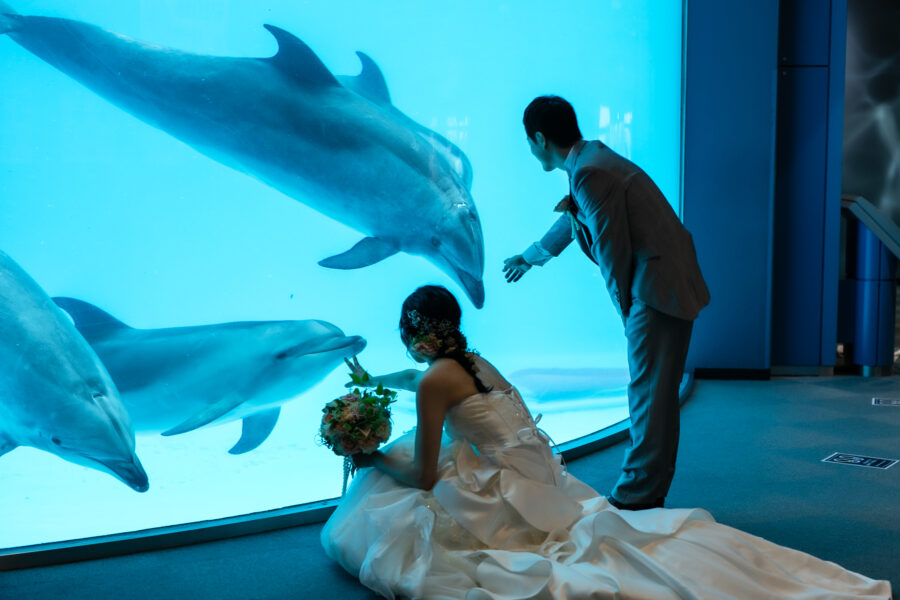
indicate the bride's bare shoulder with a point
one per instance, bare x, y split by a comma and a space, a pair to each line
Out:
443, 371
446, 377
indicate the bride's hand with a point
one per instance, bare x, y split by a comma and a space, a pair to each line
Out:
358, 370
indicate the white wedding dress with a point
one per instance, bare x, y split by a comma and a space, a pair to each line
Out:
505, 521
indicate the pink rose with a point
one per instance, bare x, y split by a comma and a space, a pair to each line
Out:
370, 446
383, 432
350, 413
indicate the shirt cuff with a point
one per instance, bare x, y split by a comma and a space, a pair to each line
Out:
536, 255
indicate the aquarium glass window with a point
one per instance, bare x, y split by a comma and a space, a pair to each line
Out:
227, 198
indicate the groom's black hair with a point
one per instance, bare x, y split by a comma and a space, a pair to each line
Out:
555, 118
441, 309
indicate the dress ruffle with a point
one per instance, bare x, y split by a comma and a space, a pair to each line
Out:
505, 523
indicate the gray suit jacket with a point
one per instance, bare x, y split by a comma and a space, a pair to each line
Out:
623, 223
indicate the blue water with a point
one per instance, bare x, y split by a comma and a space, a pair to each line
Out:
100, 206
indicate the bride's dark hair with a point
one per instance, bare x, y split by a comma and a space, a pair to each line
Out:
430, 319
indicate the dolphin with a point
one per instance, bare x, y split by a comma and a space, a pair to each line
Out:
55, 394
338, 145
178, 379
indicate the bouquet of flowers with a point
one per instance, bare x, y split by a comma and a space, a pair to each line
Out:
357, 422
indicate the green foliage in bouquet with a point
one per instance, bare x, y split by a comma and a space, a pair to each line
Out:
359, 421
383, 394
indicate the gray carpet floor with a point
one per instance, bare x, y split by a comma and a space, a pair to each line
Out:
750, 453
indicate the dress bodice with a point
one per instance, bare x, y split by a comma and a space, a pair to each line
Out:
490, 420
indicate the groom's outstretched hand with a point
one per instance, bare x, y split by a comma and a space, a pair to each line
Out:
514, 267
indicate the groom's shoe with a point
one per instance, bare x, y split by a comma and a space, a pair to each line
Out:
658, 503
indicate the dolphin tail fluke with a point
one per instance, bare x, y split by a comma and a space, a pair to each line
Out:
367, 252
208, 414
90, 321
256, 428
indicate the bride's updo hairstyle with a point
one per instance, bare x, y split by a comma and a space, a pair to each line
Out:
429, 326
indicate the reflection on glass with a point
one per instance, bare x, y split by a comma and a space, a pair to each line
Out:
222, 232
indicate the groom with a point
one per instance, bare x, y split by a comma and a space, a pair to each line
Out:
624, 224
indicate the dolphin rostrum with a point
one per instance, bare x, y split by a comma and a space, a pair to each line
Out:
339, 146
174, 380
55, 394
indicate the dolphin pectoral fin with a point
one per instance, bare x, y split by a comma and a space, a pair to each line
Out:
208, 414
298, 60
366, 252
369, 83
256, 428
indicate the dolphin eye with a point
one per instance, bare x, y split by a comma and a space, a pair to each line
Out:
281, 355
435, 241
56, 440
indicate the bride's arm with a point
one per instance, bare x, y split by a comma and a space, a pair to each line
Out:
431, 407
407, 379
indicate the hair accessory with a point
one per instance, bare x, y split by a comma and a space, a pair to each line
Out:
440, 327
432, 336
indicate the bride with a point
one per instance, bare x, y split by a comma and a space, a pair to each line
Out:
474, 504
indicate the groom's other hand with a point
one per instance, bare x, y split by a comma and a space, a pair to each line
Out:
514, 267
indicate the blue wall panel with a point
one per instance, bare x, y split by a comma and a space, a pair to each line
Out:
729, 136
807, 201
799, 216
805, 32
832, 241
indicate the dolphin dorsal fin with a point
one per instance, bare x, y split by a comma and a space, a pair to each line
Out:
298, 60
370, 83
91, 322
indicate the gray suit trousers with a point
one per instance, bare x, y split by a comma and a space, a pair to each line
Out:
657, 350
